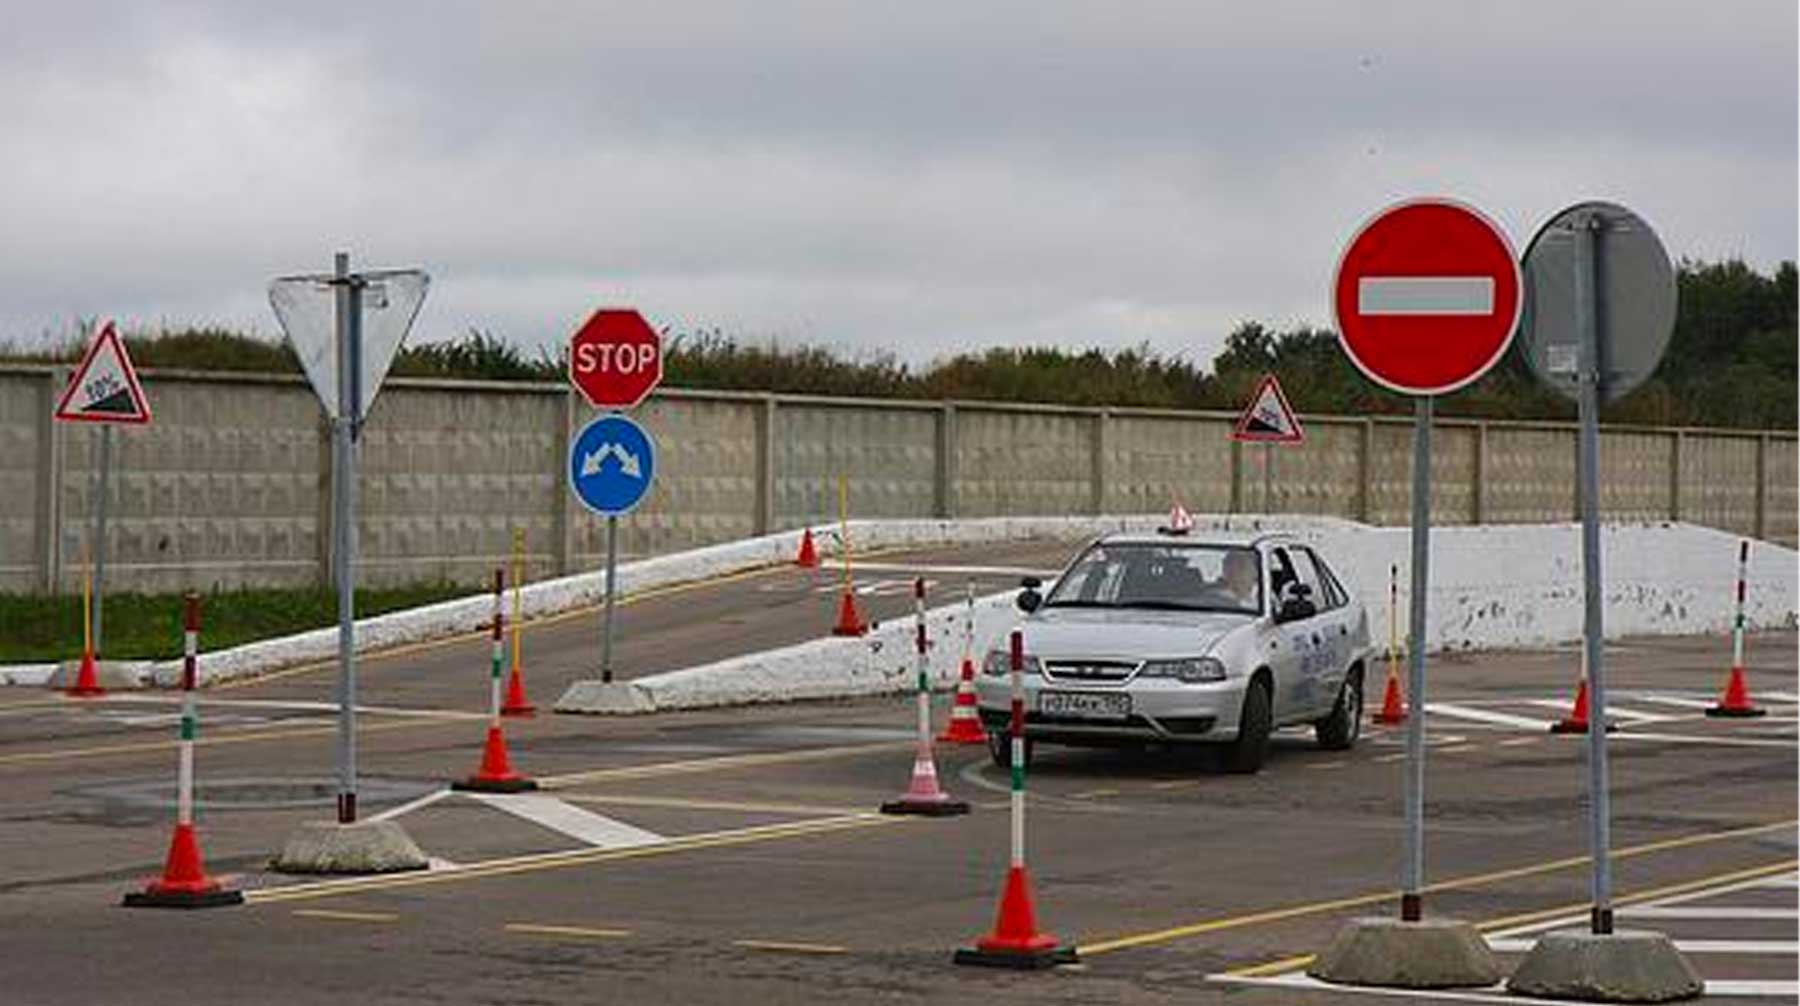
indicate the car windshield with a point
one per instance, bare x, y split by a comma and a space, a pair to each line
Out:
1163, 576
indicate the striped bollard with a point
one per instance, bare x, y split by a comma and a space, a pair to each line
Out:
1016, 941
965, 716
1735, 703
923, 795
496, 774
184, 883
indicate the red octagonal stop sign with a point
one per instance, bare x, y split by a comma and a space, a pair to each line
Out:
616, 358
1427, 296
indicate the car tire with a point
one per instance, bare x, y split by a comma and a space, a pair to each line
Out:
1245, 755
999, 744
1340, 730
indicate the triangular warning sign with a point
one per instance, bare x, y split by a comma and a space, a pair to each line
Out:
1269, 419
105, 387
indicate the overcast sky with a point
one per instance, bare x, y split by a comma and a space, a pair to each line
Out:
922, 178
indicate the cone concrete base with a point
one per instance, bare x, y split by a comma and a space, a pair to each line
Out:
1017, 960
1569, 726
925, 808
606, 698
1736, 712
359, 848
156, 896
1389, 953
477, 784
1627, 966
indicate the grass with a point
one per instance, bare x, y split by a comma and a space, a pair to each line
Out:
42, 628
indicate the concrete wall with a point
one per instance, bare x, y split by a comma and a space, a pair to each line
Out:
232, 483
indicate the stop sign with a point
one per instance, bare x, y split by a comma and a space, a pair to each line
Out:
616, 358
1427, 296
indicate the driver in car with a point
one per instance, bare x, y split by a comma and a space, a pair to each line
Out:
1239, 577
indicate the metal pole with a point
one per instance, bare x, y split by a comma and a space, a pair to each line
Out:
102, 479
606, 624
1412, 880
1268, 478
349, 336
518, 614
1587, 310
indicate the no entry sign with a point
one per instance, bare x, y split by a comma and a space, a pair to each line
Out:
1427, 296
616, 358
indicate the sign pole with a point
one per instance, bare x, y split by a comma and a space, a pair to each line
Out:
1587, 263
1412, 878
606, 624
102, 479
349, 334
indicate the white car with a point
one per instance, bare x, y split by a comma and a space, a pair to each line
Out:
1161, 638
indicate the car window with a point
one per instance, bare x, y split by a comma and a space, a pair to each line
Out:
1305, 563
1333, 587
1154, 575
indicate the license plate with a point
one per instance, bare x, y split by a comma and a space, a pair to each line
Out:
1090, 705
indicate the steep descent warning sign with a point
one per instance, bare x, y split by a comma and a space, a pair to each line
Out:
105, 387
1269, 419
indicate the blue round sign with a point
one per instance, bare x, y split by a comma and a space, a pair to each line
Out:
611, 465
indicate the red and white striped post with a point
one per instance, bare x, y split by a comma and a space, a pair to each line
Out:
496, 774
923, 795
1016, 941
965, 716
1736, 702
184, 882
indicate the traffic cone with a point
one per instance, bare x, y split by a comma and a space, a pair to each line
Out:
809, 555
496, 774
849, 623
87, 679
1577, 720
184, 882
516, 702
924, 795
965, 718
1180, 521
1393, 707
1736, 701
1016, 941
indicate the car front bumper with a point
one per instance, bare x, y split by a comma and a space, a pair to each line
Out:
1162, 710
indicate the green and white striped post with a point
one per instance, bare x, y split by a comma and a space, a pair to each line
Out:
1017, 741
499, 647
190, 714
923, 795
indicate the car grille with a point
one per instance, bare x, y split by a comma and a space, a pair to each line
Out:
1090, 672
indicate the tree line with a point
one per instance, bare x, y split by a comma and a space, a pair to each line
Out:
1732, 361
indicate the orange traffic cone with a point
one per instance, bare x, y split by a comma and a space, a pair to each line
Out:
496, 774
1577, 720
923, 794
1393, 707
809, 555
516, 702
849, 623
87, 679
965, 718
1736, 700
184, 882
1016, 941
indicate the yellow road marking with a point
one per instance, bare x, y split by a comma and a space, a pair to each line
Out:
244, 737
1174, 783
1457, 883
326, 913
558, 860
681, 803
1328, 764
791, 948
1389, 757
1286, 964
578, 932
1092, 794
660, 769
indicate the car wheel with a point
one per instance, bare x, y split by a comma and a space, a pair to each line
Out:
1339, 731
1000, 748
1246, 754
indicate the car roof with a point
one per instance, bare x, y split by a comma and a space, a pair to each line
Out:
1227, 539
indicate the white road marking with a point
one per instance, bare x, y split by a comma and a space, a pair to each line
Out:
1787, 697
884, 567
298, 705
1484, 716
1788, 947
1744, 742
1674, 700
557, 815
1493, 993
1708, 912
407, 808
1613, 711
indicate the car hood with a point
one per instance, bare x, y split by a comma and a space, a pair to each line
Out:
1126, 634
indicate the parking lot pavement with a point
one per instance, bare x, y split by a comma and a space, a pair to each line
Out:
728, 855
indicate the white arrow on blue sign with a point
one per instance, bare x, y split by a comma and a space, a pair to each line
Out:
611, 465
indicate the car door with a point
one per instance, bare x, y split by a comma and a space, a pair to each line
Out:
1293, 654
1331, 628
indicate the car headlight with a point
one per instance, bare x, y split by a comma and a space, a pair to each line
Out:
1191, 671
998, 664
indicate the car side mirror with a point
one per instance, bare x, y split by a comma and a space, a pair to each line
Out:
1029, 600
1296, 603
1030, 582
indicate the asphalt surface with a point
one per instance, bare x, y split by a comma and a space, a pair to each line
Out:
761, 872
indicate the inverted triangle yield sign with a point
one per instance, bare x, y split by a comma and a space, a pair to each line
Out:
1269, 419
306, 306
105, 387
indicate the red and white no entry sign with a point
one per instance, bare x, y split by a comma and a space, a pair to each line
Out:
1427, 296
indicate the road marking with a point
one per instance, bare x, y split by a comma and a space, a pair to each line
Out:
327, 913
1457, 883
1328, 764
683, 803
582, 825
1742, 742
578, 932
1093, 794
697, 765
213, 740
1514, 742
1492, 993
1613, 710
407, 808
1788, 697
898, 567
1788, 947
298, 705
1174, 783
1673, 700
1463, 712
790, 948
1389, 757
1721, 912
1456, 749
572, 857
